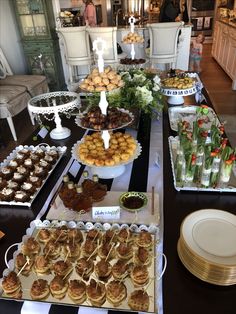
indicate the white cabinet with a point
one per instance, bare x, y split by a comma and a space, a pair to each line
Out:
224, 48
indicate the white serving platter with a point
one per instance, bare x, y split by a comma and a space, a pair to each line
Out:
189, 114
173, 148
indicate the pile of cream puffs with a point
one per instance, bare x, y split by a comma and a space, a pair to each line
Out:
132, 38
77, 266
102, 81
91, 151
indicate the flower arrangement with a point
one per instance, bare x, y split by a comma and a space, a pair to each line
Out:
140, 91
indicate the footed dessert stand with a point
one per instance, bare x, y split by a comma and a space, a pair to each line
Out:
54, 103
104, 172
176, 96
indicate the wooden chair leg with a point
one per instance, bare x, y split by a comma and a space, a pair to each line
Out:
12, 128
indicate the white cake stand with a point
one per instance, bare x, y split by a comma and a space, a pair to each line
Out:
176, 96
54, 103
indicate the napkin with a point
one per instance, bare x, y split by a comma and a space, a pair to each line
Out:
30, 307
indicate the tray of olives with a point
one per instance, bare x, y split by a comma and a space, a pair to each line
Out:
25, 171
91, 264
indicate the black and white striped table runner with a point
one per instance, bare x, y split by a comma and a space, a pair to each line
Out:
140, 175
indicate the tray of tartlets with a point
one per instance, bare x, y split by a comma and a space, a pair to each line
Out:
94, 265
123, 149
24, 172
182, 84
93, 119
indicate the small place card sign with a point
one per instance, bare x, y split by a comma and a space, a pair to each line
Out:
43, 132
74, 169
106, 212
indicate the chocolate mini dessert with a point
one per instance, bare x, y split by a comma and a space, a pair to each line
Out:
45, 165
13, 164
25, 152
28, 163
36, 181
49, 159
6, 173
40, 152
132, 61
22, 170
28, 188
18, 177
35, 158
7, 194
39, 172
20, 158
3, 183
53, 153
21, 196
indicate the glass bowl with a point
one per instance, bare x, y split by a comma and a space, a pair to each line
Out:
133, 201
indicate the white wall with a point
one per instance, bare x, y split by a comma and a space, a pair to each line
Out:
10, 39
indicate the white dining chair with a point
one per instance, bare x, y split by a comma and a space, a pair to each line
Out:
109, 34
164, 43
77, 50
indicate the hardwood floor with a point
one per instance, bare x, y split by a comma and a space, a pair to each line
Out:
215, 80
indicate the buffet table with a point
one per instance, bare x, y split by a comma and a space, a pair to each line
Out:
182, 292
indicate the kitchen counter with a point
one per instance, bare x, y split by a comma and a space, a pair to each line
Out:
223, 48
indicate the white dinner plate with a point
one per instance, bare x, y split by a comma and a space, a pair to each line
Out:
211, 234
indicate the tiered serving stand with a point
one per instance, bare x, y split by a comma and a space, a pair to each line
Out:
104, 172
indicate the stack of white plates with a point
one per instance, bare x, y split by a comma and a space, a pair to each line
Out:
207, 246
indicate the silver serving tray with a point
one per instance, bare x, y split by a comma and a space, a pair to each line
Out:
60, 149
80, 116
26, 281
172, 148
189, 113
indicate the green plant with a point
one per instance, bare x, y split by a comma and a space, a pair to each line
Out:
141, 90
